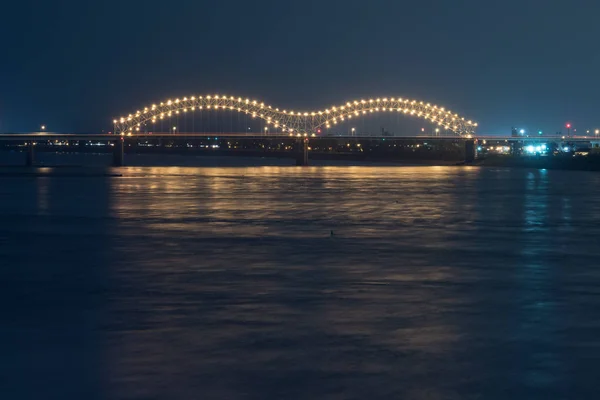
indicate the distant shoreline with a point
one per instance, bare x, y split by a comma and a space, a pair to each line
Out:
581, 163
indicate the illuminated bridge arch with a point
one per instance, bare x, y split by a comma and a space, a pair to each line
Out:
297, 122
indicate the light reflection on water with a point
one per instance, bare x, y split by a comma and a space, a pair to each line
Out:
175, 282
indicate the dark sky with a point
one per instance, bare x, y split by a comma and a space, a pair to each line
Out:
75, 64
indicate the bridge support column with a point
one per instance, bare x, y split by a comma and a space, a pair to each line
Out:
119, 153
30, 155
302, 153
470, 151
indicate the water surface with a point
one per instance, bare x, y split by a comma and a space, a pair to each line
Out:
280, 282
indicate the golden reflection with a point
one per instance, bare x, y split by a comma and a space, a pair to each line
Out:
257, 196
248, 266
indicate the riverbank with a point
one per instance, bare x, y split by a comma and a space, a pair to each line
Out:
64, 158
72, 159
56, 170
567, 162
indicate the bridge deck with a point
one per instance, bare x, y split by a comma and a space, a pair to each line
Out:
40, 136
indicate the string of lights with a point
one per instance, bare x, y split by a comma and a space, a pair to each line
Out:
293, 121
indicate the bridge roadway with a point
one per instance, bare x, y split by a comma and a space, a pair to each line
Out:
40, 136
110, 137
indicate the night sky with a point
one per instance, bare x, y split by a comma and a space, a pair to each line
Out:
75, 65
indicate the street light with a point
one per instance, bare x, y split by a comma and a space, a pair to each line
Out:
43, 127
353, 130
568, 129
266, 130
597, 131
174, 129
437, 131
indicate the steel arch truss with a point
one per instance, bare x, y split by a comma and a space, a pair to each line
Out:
297, 122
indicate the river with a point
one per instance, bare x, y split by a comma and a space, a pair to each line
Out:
280, 282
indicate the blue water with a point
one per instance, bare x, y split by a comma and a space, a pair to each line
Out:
227, 283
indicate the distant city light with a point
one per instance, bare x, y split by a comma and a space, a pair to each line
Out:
43, 127
531, 149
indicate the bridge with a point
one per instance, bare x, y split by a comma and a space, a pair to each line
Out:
296, 122
301, 126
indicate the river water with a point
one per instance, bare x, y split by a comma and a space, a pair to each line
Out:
278, 282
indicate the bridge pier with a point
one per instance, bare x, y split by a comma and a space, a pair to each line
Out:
119, 153
302, 153
30, 155
470, 151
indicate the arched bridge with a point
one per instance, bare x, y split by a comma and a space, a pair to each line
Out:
294, 122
